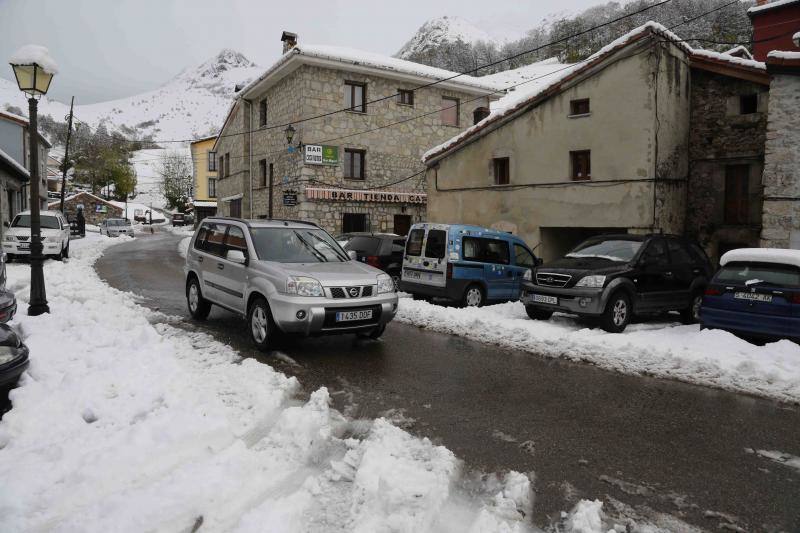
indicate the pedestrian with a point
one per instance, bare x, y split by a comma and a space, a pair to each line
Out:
81, 222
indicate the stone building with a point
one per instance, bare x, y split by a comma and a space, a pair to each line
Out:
726, 153
95, 209
781, 219
357, 167
604, 146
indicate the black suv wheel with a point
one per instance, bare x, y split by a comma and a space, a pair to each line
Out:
691, 315
617, 314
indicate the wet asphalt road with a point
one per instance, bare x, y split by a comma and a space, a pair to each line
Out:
655, 445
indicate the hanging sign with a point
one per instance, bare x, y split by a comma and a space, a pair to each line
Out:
318, 154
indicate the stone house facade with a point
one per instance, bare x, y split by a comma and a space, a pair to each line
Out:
95, 209
204, 178
726, 158
372, 178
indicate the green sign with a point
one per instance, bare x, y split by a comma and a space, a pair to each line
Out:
316, 154
330, 155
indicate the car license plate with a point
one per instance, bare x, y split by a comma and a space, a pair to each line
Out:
544, 299
413, 274
348, 316
24, 246
753, 296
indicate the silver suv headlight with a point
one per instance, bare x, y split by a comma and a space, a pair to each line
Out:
528, 275
303, 286
593, 282
385, 283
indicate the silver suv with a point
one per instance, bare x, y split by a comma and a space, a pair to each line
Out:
285, 276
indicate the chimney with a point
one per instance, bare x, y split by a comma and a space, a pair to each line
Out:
289, 40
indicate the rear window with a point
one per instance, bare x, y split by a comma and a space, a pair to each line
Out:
365, 245
755, 274
414, 243
436, 245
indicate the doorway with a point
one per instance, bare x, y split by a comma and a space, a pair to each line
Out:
354, 222
402, 224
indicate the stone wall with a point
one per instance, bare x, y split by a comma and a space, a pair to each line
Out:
781, 221
720, 136
90, 205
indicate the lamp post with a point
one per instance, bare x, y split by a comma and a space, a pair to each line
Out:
34, 69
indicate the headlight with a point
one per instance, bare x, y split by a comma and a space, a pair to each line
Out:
528, 275
303, 286
594, 282
385, 283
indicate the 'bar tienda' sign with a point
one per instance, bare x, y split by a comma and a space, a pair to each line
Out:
346, 195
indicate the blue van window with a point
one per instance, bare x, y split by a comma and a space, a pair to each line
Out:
414, 244
486, 250
523, 256
437, 244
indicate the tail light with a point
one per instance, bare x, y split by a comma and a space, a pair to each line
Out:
795, 298
373, 260
449, 270
712, 291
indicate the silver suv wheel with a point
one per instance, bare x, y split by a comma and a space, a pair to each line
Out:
620, 312
194, 298
258, 324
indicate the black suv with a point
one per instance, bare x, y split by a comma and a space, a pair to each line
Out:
381, 250
614, 277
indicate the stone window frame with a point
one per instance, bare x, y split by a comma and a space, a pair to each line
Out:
262, 173
262, 113
348, 172
405, 97
442, 109
350, 94
748, 104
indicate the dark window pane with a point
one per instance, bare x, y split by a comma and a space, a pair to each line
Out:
212, 161
449, 111
581, 165
414, 242
501, 171
436, 244
579, 107
363, 244
523, 256
748, 104
215, 239
479, 114
678, 253
656, 253
235, 240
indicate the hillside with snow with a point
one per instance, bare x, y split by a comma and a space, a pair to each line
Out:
440, 31
193, 104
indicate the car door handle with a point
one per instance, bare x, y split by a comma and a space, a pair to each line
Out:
668, 274
199, 258
220, 266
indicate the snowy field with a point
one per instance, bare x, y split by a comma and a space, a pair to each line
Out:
662, 349
125, 425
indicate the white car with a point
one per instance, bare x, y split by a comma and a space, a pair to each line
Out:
54, 232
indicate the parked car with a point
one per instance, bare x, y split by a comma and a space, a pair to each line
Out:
13, 357
114, 227
55, 233
755, 293
178, 219
285, 276
466, 264
8, 302
615, 277
188, 218
381, 250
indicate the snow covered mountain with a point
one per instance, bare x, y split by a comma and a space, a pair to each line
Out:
191, 105
441, 30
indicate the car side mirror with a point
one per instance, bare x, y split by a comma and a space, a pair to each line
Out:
352, 255
538, 261
236, 256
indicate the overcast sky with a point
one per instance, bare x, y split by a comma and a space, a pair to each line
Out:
108, 49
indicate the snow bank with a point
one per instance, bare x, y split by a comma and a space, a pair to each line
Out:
710, 357
183, 246
34, 53
587, 517
122, 425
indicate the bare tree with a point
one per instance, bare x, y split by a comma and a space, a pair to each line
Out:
175, 172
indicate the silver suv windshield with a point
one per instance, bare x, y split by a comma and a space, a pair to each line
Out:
296, 245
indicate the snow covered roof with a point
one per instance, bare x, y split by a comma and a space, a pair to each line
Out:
780, 54
202, 203
14, 164
15, 118
771, 5
781, 256
97, 198
551, 83
34, 53
203, 139
739, 51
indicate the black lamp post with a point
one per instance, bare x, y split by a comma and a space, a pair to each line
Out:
34, 69
289, 131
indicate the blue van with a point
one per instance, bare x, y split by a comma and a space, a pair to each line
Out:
466, 264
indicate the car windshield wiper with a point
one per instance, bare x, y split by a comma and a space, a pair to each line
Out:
326, 244
319, 255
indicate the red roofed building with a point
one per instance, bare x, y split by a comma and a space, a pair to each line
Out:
774, 24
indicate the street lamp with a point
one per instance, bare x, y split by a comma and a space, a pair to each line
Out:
34, 69
289, 131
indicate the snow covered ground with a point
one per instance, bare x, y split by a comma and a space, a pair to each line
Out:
662, 349
123, 424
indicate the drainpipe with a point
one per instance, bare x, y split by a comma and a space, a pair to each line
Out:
250, 152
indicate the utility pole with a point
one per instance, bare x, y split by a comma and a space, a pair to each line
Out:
66, 155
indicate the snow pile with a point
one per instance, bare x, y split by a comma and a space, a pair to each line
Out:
710, 357
587, 517
121, 425
183, 246
34, 53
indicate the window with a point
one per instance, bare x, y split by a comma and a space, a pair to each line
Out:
354, 164
523, 257
678, 252
402, 223
212, 187
235, 240
449, 111
355, 96
199, 242
581, 165
777, 275
501, 170
262, 113
354, 222
656, 253
748, 104
236, 208
405, 97
214, 242
212, 161
262, 173
436, 245
579, 107
479, 114
737, 185
289, 245
271, 175
485, 250
227, 164
222, 166
414, 242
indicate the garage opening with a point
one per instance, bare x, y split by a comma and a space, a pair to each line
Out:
556, 242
